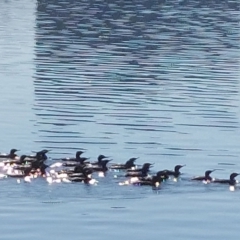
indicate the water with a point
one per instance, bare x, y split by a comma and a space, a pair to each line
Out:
158, 80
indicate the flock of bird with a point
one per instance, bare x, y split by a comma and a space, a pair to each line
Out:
80, 169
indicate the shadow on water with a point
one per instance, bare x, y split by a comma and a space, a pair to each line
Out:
155, 76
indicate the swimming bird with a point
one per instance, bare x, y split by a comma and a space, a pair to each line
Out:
77, 171
43, 154
35, 167
154, 181
77, 157
162, 175
176, 173
141, 172
85, 178
81, 161
206, 178
19, 161
81, 175
99, 160
128, 165
101, 167
12, 154
145, 166
40, 154
231, 181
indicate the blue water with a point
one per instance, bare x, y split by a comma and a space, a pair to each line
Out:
158, 80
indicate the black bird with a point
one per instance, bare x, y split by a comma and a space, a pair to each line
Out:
43, 154
231, 181
17, 161
129, 164
82, 160
40, 154
80, 173
21, 160
176, 173
101, 167
12, 154
76, 158
84, 177
22, 163
99, 161
155, 181
37, 163
141, 172
39, 168
77, 169
145, 166
162, 175
206, 178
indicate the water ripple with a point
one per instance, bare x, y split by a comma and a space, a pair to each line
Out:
119, 72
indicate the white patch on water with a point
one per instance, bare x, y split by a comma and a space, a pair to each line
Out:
62, 175
3, 175
66, 180
49, 180
127, 182
133, 180
52, 171
57, 164
57, 180
101, 174
206, 181
27, 179
93, 182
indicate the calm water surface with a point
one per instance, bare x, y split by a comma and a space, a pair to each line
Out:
158, 80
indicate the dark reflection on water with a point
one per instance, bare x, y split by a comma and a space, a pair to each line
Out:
150, 77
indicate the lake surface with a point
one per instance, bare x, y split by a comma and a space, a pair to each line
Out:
158, 80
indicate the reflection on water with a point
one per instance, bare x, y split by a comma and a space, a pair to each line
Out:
153, 78
17, 23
